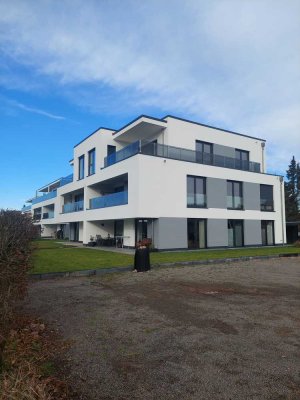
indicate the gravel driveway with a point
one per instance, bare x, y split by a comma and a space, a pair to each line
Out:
209, 332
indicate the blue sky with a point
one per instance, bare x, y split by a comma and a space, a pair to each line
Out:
68, 67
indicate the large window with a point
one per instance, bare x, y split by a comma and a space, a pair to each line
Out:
266, 198
204, 152
92, 161
235, 233
267, 233
196, 191
234, 195
242, 159
119, 227
81, 167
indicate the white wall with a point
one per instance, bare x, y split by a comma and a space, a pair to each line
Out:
162, 192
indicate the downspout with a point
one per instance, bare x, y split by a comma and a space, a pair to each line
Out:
263, 144
282, 210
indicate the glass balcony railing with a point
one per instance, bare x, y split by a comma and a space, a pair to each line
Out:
26, 208
121, 155
48, 215
177, 153
73, 207
46, 196
67, 179
110, 200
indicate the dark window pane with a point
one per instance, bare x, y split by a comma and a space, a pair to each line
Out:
238, 234
267, 233
234, 195
110, 149
235, 233
266, 197
207, 148
196, 191
229, 188
81, 167
92, 160
199, 186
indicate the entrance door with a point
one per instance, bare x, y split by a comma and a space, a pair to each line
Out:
267, 233
196, 233
74, 231
141, 229
119, 227
235, 233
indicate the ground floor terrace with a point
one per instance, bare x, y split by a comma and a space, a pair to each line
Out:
169, 233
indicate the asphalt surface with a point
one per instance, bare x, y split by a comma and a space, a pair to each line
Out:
189, 333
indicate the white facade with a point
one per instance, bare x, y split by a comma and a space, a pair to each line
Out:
144, 184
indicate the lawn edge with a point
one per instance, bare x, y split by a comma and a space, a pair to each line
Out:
104, 271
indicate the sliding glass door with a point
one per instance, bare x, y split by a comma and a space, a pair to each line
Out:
267, 233
196, 233
235, 233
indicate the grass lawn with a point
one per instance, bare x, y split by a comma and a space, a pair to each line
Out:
54, 256
51, 256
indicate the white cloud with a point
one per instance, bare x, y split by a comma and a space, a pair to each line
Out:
36, 111
228, 62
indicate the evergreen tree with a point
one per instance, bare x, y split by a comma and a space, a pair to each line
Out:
292, 190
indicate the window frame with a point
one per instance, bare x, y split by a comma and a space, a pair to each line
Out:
234, 222
81, 172
232, 194
240, 159
264, 221
200, 154
195, 178
263, 207
92, 167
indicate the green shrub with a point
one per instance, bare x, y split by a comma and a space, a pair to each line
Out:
16, 233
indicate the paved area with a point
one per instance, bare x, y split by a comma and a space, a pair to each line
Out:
113, 249
208, 332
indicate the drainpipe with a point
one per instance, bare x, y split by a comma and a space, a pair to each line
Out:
282, 209
263, 144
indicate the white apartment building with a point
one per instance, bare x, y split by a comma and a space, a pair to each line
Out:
178, 183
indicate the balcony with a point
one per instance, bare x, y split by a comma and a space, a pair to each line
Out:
126, 152
26, 208
37, 217
181, 154
67, 179
46, 196
109, 200
48, 215
73, 207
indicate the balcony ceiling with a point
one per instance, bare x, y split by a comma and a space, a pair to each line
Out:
143, 128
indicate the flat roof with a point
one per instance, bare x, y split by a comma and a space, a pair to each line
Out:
136, 119
164, 120
91, 134
213, 127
